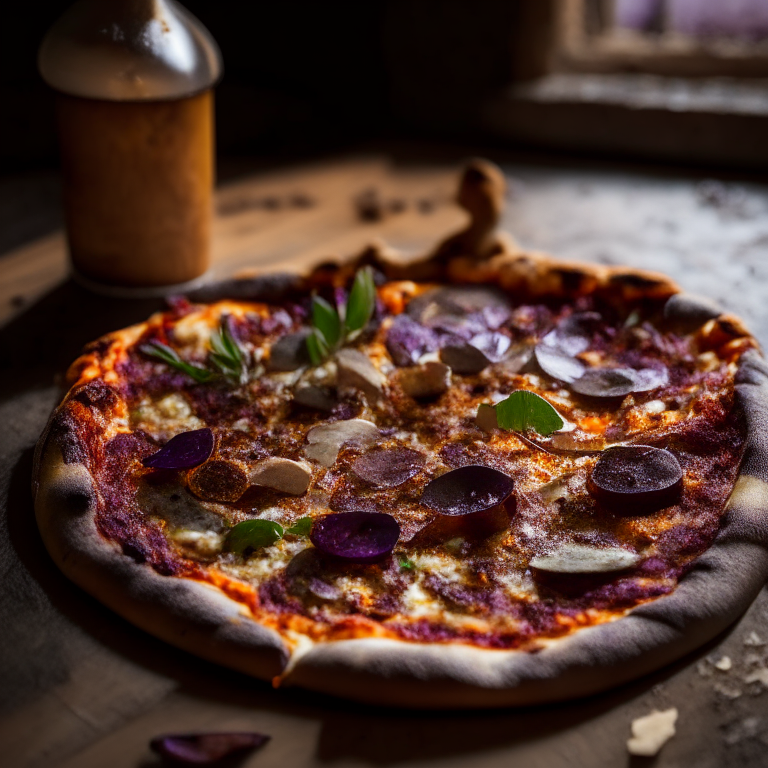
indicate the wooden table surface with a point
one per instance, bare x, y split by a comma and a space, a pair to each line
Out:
81, 687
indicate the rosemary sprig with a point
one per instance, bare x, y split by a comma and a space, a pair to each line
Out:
227, 355
169, 356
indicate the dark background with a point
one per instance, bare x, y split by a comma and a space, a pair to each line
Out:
303, 76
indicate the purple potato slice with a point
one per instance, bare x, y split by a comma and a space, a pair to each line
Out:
388, 467
466, 490
183, 451
357, 537
204, 748
637, 478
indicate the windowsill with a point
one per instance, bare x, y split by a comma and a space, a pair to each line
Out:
714, 120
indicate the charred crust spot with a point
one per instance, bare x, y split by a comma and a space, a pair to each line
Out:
637, 281
728, 327
96, 394
573, 280
218, 480
64, 432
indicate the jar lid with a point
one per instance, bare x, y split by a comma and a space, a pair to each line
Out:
129, 50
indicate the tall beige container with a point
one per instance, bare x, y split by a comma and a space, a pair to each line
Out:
135, 114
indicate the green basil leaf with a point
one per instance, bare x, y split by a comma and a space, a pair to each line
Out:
301, 527
169, 356
326, 320
253, 534
406, 564
362, 301
317, 347
524, 410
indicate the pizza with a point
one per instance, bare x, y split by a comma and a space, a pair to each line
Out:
483, 478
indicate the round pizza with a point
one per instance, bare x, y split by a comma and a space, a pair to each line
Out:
483, 478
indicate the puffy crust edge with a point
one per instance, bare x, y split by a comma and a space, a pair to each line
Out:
720, 586
199, 618
189, 614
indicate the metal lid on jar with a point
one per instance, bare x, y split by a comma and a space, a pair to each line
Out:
129, 50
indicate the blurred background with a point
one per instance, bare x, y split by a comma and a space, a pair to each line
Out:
667, 81
676, 80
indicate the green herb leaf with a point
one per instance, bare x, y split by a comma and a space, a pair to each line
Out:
406, 564
253, 534
226, 353
326, 320
524, 410
362, 301
301, 527
169, 356
317, 347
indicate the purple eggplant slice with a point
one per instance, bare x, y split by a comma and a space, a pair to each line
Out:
184, 451
388, 467
606, 382
636, 477
467, 490
357, 537
204, 748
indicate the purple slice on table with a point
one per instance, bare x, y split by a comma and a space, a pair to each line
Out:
636, 477
388, 467
356, 537
183, 451
205, 748
466, 490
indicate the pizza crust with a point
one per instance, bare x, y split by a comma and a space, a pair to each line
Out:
720, 586
189, 614
199, 618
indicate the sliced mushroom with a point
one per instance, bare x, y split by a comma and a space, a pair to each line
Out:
290, 352
281, 474
356, 371
473, 356
325, 440
583, 558
426, 380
